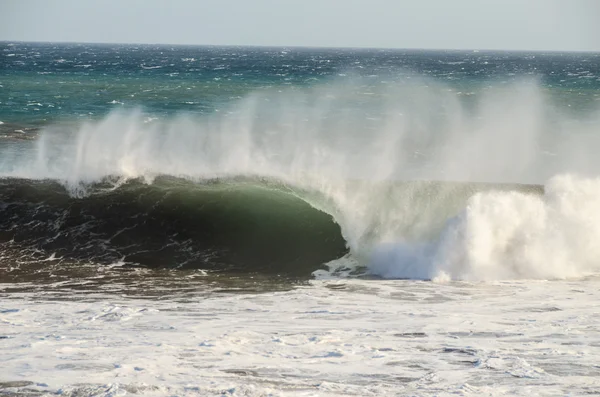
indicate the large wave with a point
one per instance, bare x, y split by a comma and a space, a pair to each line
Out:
424, 180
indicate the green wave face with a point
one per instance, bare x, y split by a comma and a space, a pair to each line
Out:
238, 226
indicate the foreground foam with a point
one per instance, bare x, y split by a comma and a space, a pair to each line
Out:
333, 338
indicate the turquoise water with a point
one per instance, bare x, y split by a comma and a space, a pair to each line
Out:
41, 83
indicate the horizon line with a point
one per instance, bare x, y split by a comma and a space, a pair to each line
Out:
299, 46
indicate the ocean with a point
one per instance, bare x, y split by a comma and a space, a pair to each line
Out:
250, 221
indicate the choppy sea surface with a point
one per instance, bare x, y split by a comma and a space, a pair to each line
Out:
180, 220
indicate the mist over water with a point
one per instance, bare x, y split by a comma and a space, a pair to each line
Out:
424, 180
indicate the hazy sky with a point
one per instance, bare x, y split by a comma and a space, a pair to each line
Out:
473, 24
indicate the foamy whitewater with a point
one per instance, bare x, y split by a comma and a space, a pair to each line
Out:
255, 222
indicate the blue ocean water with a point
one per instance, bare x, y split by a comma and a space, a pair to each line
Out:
43, 82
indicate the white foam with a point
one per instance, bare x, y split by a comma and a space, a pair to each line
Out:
509, 235
345, 337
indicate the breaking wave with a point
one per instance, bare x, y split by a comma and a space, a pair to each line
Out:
405, 180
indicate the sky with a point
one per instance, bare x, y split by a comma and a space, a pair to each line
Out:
555, 25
